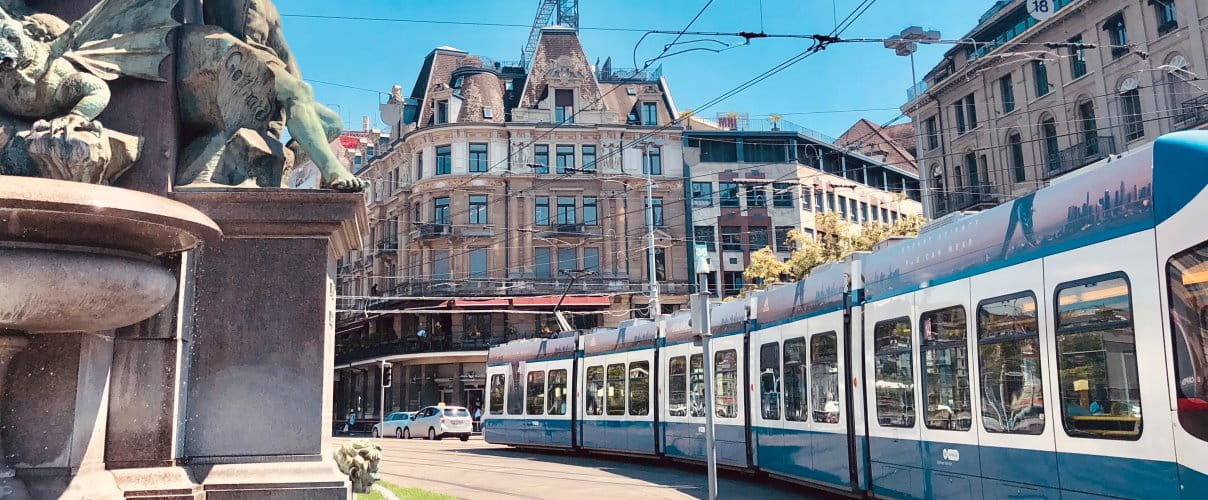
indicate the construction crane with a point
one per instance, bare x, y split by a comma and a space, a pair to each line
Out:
549, 13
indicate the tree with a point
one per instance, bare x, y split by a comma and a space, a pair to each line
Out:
836, 239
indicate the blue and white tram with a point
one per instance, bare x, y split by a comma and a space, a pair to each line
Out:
616, 372
1052, 347
530, 393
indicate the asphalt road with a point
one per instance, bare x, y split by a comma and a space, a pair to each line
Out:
478, 470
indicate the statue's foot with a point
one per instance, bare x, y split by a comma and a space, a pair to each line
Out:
348, 183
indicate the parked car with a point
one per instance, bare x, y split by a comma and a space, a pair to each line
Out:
393, 425
435, 422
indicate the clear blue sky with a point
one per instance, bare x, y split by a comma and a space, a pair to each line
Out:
376, 55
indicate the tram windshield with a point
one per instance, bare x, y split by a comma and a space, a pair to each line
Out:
1188, 278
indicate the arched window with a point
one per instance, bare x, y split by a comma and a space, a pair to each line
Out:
1130, 109
1048, 138
1180, 97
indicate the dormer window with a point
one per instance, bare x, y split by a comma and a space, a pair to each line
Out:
650, 113
564, 106
458, 81
442, 112
488, 112
509, 86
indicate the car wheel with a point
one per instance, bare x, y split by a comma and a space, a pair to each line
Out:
407, 433
465, 438
398, 433
377, 433
431, 433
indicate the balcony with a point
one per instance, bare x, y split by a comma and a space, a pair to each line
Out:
435, 230
1191, 113
966, 198
386, 247
349, 350
1080, 155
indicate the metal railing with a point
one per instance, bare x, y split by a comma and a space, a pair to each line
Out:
918, 89
629, 74
1191, 112
771, 125
435, 230
967, 197
1080, 155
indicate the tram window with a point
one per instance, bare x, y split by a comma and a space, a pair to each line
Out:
639, 388
1008, 352
555, 392
595, 390
769, 380
725, 369
1188, 279
796, 400
497, 391
677, 387
824, 371
515, 393
616, 389
1097, 359
536, 393
945, 350
696, 370
894, 373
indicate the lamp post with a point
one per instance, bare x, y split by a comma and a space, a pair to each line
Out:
702, 330
653, 306
906, 44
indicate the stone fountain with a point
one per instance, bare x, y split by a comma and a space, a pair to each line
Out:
166, 306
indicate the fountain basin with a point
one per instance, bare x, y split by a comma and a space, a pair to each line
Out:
83, 257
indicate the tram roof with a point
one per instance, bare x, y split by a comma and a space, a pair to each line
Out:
820, 292
532, 350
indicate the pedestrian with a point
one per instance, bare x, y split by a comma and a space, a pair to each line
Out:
477, 419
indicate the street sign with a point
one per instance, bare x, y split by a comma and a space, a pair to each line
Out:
1042, 10
702, 259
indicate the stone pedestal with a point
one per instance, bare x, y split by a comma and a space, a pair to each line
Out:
255, 399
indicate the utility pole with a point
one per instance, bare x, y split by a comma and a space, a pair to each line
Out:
702, 328
906, 44
653, 306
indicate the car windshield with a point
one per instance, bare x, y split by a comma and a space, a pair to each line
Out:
456, 412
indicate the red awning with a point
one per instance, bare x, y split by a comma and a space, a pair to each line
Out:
480, 303
590, 301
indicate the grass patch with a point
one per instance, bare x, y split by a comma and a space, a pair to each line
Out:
404, 493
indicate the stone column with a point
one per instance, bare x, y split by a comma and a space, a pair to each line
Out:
257, 398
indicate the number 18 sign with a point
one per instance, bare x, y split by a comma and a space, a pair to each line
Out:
1041, 9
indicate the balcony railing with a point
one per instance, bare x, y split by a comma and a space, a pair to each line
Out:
1080, 155
1191, 112
966, 198
916, 90
435, 230
350, 350
609, 74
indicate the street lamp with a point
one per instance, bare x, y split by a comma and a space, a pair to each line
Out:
652, 305
906, 44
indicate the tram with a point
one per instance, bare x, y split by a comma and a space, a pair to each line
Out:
1052, 347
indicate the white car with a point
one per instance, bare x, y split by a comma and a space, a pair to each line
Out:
393, 426
435, 422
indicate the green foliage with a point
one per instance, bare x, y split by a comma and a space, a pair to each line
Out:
836, 238
404, 493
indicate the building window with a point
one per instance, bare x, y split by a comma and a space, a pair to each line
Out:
864, 211
440, 211
820, 199
966, 114
933, 133
566, 210
894, 373
418, 160
1167, 18
1130, 106
1117, 35
442, 112
440, 265
541, 211
564, 106
478, 209
541, 263
589, 158
478, 263
807, 198
650, 113
541, 159
703, 235
970, 111
1008, 350
370, 152
591, 259
417, 213
716, 151
660, 264
1048, 136
782, 195
971, 169
1097, 359
564, 157
1016, 146
702, 194
444, 160
656, 211
478, 157
590, 217
1040, 73
1077, 59
783, 242
1007, 90
945, 353
568, 259
758, 237
728, 194
841, 202
756, 196
731, 238
652, 161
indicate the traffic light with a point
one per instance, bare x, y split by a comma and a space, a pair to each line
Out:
387, 374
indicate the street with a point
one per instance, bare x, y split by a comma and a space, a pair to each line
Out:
478, 470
